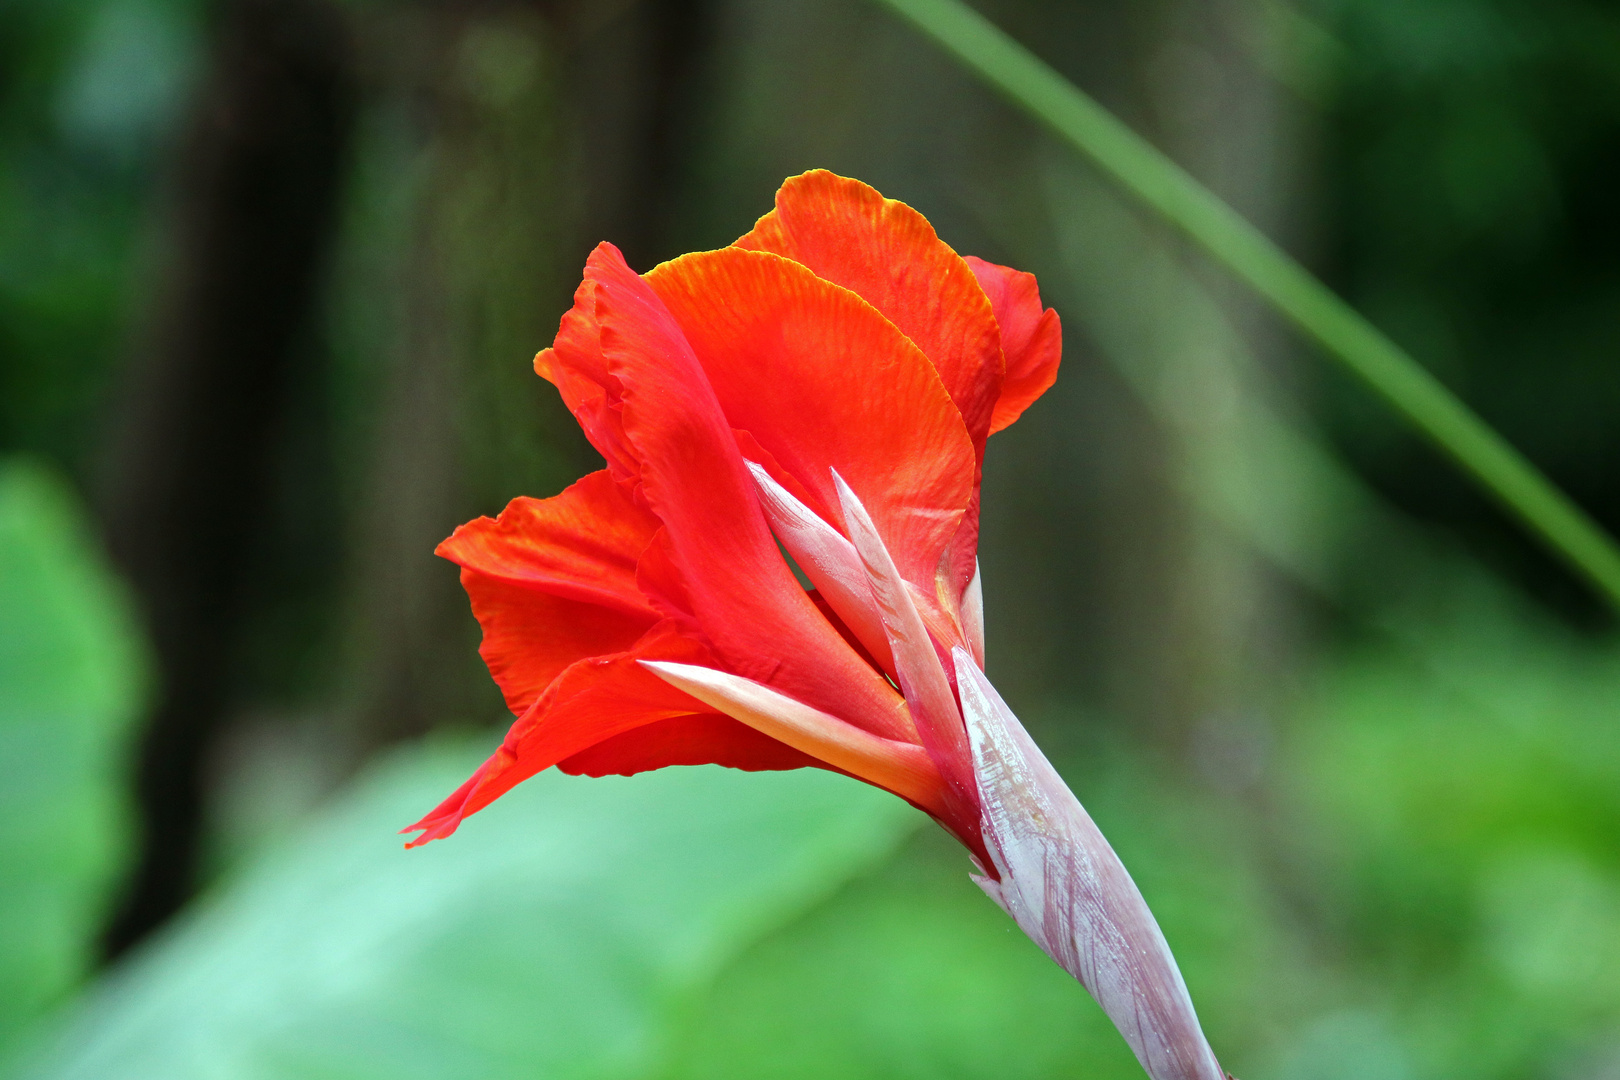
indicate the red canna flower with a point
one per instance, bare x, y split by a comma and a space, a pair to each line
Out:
824, 387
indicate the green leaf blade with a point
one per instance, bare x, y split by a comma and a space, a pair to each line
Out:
71, 683
552, 936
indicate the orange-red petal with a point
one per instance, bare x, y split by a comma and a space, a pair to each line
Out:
686, 740
582, 544
822, 381
742, 597
553, 581
888, 253
574, 364
531, 637
1031, 338
592, 701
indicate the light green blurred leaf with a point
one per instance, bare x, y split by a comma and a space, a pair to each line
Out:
70, 682
555, 935
910, 973
1455, 806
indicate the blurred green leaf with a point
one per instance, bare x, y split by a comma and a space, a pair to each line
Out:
909, 973
70, 682
912, 974
1455, 807
555, 935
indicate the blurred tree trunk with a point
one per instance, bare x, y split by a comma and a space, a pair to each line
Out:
541, 129
1188, 622
187, 477
1202, 640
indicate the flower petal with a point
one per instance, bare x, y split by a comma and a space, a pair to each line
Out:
821, 381
742, 597
590, 702
575, 365
1031, 338
531, 637
756, 455
901, 767
849, 234
552, 581
582, 544
1064, 886
709, 739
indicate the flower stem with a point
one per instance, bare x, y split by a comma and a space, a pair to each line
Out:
1165, 187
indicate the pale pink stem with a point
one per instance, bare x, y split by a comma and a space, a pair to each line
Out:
1063, 885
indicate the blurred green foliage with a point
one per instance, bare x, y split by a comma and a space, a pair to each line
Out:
1473, 156
1456, 803
71, 681
910, 973
90, 92
556, 935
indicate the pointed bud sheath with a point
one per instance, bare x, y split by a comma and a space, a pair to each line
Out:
917, 667
1063, 885
830, 562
